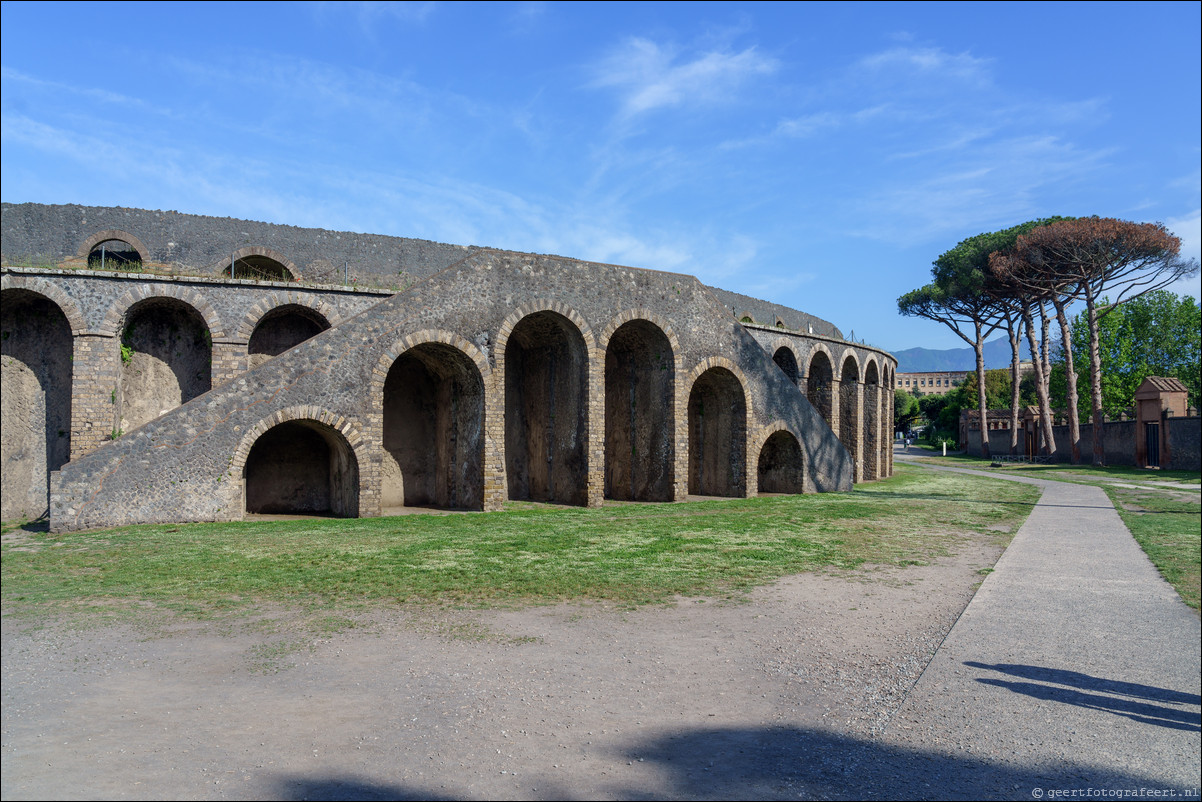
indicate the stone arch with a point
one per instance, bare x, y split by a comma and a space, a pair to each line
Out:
35, 400
166, 359
872, 421
718, 410
264, 263
65, 303
108, 235
786, 360
284, 327
820, 388
781, 464
431, 399
849, 406
300, 460
641, 366
547, 361
274, 300
117, 313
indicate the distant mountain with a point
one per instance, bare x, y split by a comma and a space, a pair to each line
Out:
923, 360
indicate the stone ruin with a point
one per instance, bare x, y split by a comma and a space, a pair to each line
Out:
160, 367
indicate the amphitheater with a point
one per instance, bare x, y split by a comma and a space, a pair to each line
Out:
164, 367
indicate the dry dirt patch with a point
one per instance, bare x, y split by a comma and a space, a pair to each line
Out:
571, 701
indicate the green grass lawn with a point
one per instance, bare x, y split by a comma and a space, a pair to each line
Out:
1166, 521
627, 553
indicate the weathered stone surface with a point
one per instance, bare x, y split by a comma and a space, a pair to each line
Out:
500, 375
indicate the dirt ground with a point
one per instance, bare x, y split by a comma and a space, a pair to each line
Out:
763, 698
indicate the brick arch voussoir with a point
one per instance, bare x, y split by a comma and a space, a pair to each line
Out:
109, 234
658, 321
258, 250
778, 425
817, 348
721, 362
849, 353
51, 292
276, 300
872, 362
344, 426
542, 305
117, 313
379, 373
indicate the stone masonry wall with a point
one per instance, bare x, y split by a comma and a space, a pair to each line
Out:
188, 464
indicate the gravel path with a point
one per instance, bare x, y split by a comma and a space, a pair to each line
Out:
806, 690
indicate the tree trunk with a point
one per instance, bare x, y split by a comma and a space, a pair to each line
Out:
1012, 329
1095, 377
982, 404
1041, 387
1070, 380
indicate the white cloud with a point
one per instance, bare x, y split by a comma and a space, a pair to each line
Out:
649, 76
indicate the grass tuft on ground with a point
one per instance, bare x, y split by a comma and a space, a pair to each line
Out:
626, 553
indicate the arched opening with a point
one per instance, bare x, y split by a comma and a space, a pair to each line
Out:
166, 360
433, 430
35, 401
282, 328
849, 415
546, 389
717, 435
786, 360
781, 469
639, 388
820, 386
257, 267
302, 467
114, 254
872, 422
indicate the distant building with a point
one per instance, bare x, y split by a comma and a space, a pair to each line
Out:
939, 382
930, 383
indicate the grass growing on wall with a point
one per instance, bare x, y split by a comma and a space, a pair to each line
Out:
627, 553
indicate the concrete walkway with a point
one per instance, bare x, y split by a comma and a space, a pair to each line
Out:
1075, 666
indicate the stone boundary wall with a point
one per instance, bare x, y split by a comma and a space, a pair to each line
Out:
184, 465
1118, 438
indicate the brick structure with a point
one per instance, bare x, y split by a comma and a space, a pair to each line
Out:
497, 376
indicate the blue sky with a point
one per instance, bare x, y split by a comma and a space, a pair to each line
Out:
815, 155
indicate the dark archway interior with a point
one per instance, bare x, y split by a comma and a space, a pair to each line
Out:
114, 254
283, 328
259, 268
872, 420
433, 430
302, 467
781, 465
717, 435
639, 396
787, 361
166, 360
820, 386
849, 417
35, 400
546, 386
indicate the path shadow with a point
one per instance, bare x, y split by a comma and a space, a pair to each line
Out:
1123, 698
1075, 679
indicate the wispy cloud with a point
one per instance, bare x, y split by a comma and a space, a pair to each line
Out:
649, 76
